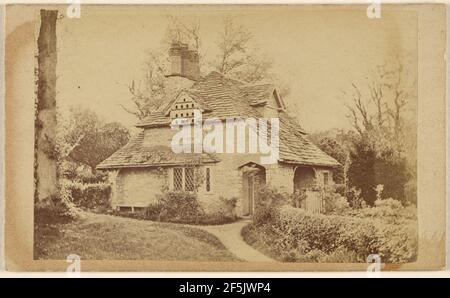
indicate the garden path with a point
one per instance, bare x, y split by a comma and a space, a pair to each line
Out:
230, 236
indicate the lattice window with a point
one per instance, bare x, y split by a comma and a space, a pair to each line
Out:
189, 179
208, 179
326, 178
178, 179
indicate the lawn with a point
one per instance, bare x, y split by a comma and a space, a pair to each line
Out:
107, 237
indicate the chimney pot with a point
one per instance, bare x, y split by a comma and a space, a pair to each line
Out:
184, 62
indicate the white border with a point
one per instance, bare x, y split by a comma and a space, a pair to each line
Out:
214, 274
2, 136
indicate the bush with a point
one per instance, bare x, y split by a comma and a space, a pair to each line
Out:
87, 177
296, 235
176, 206
388, 203
228, 206
334, 202
354, 198
60, 209
93, 196
267, 199
328, 233
183, 207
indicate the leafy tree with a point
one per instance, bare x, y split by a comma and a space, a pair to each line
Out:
336, 150
85, 139
99, 144
381, 114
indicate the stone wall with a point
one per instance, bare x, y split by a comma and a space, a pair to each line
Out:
138, 187
280, 176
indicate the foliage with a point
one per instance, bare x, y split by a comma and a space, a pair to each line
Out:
293, 233
237, 56
93, 196
89, 177
336, 150
354, 198
228, 205
298, 198
267, 199
183, 207
334, 202
389, 211
368, 169
61, 209
385, 151
147, 94
84, 138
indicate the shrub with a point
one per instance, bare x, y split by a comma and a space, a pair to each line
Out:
388, 211
388, 203
267, 199
176, 206
296, 235
217, 218
334, 202
60, 209
87, 177
228, 206
354, 198
328, 233
93, 196
298, 198
183, 207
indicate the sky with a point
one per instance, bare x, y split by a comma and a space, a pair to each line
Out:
318, 52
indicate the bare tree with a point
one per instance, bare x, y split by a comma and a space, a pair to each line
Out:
233, 44
383, 103
187, 32
238, 57
147, 94
241, 58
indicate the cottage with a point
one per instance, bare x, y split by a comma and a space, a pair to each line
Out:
147, 165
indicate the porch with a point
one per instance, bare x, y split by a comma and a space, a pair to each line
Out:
306, 184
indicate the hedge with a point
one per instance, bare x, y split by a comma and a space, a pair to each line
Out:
293, 228
89, 195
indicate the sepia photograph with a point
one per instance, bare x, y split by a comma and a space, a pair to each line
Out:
271, 135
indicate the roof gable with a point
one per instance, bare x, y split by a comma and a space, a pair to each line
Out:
218, 96
182, 105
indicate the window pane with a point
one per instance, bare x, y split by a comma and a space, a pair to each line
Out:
208, 179
325, 178
189, 179
177, 178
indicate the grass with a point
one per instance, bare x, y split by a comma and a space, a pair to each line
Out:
252, 237
107, 237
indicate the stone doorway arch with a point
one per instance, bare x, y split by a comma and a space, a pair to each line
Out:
304, 178
253, 178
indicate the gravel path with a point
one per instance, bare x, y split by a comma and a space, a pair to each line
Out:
230, 236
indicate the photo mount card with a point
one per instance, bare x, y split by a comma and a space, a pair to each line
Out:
280, 138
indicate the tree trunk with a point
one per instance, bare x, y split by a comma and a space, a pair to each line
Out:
45, 123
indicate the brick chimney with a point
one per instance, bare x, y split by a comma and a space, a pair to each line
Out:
184, 62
